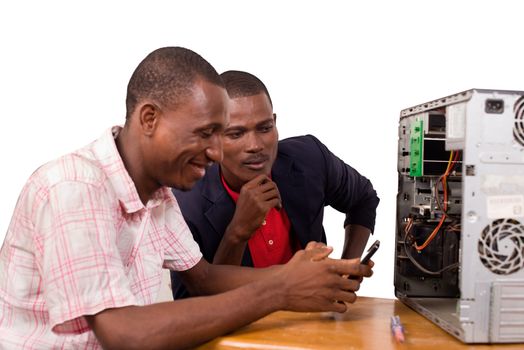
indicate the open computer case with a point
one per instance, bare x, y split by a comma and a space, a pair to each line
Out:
459, 246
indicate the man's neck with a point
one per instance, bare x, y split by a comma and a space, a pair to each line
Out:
131, 157
234, 185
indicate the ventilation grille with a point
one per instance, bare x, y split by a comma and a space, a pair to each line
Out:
501, 246
518, 129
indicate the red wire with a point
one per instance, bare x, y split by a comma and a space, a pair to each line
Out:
451, 164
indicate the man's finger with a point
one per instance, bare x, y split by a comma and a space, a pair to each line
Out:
318, 253
338, 307
350, 285
273, 203
350, 267
256, 181
345, 296
314, 244
268, 195
274, 196
262, 180
356, 278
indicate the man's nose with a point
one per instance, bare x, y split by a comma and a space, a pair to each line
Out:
253, 142
214, 151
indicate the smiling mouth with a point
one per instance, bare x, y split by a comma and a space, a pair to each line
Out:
199, 168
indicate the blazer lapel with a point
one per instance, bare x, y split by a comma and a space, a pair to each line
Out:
221, 206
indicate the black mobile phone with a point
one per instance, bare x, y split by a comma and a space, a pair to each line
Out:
370, 252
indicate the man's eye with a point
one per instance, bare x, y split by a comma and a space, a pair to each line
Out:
205, 134
266, 128
234, 135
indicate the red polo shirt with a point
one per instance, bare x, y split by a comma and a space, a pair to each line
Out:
270, 244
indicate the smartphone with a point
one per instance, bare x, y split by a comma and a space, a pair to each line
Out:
370, 252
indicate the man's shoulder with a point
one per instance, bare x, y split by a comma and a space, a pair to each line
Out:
71, 167
88, 164
300, 146
299, 140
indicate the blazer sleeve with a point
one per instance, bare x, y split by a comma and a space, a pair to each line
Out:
347, 191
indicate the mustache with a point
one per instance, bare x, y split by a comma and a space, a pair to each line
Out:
256, 158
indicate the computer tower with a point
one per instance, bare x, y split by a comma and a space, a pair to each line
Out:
459, 246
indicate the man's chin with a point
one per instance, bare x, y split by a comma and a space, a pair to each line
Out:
252, 173
184, 187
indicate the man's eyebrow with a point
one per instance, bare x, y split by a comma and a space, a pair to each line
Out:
213, 126
235, 127
269, 120
242, 128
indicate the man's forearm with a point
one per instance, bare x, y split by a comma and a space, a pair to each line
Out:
207, 279
231, 248
355, 241
188, 322
184, 323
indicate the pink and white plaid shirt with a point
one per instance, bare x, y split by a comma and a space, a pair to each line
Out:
81, 241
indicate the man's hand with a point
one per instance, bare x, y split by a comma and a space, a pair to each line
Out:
361, 278
309, 284
256, 198
319, 248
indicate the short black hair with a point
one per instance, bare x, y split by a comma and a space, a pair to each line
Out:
166, 76
243, 84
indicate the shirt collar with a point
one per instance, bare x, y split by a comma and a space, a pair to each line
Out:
107, 154
234, 195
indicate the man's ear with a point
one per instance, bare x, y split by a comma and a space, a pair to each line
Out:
148, 116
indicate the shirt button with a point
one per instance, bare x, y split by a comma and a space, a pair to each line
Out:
270, 242
264, 223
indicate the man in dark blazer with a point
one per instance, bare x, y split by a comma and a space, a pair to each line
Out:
266, 199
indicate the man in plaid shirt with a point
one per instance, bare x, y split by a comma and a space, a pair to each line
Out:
80, 267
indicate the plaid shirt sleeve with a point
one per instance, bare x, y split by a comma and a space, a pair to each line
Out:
76, 253
181, 250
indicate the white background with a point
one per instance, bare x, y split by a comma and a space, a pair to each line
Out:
341, 70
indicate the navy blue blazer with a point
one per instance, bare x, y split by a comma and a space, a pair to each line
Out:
309, 177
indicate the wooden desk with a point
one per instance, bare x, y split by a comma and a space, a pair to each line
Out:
365, 326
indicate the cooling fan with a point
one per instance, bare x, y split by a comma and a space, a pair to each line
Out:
501, 246
518, 128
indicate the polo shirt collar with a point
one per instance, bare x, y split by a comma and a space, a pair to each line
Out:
234, 195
